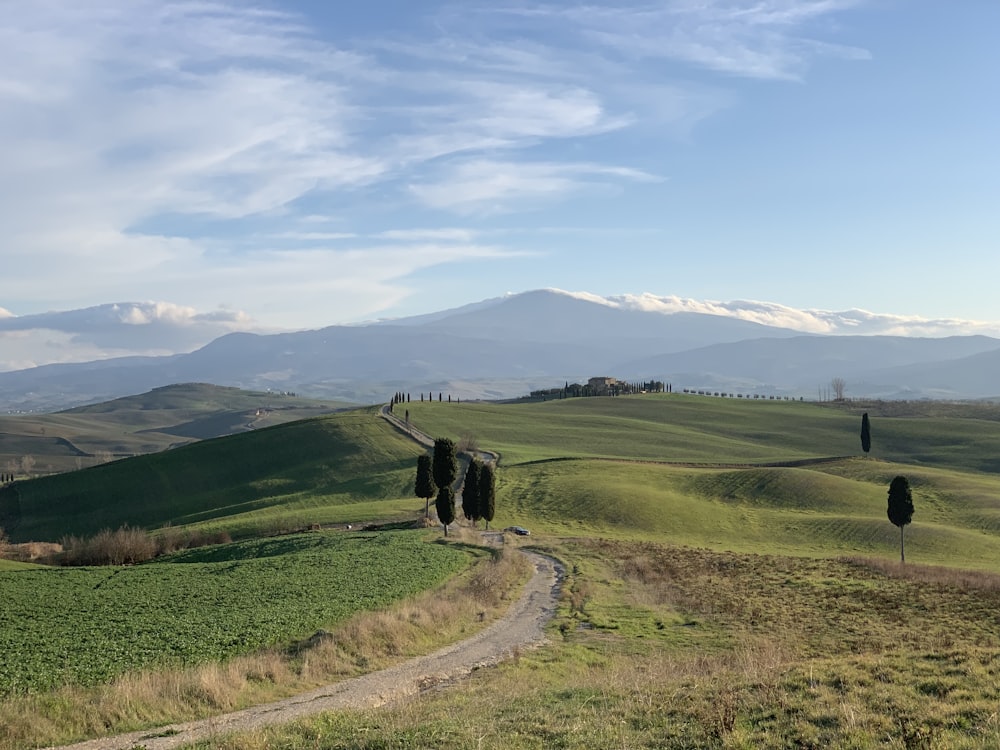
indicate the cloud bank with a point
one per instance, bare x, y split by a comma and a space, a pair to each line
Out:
824, 322
111, 330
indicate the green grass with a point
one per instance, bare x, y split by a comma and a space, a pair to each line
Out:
802, 511
695, 429
84, 626
273, 478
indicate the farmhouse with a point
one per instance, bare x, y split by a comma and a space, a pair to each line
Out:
601, 386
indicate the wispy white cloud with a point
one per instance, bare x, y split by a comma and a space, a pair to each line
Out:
490, 186
766, 39
451, 234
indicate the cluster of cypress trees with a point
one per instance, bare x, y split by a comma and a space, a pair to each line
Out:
436, 476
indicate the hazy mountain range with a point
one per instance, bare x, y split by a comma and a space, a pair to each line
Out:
505, 347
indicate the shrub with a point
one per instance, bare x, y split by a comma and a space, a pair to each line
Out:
125, 546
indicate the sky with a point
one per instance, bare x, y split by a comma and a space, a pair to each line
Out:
171, 171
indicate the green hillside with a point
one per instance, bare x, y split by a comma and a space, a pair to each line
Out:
145, 423
707, 472
319, 470
680, 428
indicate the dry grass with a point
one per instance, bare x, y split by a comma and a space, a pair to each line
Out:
30, 551
366, 642
963, 580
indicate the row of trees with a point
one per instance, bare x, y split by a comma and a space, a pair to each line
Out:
404, 398
436, 475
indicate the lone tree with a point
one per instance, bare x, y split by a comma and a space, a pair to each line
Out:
445, 465
487, 493
445, 505
470, 491
900, 508
424, 486
866, 434
838, 385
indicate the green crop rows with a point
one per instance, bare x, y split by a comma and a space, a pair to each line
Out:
87, 625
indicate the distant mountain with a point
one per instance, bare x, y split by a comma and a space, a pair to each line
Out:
506, 346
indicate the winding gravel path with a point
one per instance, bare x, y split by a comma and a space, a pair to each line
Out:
522, 627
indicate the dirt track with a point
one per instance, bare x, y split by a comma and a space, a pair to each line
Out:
522, 627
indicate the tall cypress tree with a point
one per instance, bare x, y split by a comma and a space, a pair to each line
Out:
445, 465
470, 491
424, 486
900, 510
866, 433
487, 493
445, 506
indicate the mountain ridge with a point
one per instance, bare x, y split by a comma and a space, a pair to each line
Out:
507, 346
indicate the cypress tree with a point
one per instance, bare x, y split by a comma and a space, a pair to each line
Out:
470, 491
444, 466
487, 493
900, 508
866, 433
424, 486
445, 505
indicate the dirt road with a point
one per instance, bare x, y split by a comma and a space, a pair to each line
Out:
522, 627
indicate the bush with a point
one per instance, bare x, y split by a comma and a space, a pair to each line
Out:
126, 546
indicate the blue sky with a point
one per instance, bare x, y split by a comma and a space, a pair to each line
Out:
298, 164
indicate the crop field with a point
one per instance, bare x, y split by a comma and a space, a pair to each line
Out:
86, 625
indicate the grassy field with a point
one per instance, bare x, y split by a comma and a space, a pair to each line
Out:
705, 430
732, 579
38, 444
659, 646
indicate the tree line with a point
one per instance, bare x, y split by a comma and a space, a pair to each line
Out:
401, 397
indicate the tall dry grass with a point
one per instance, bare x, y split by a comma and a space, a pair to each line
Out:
129, 545
366, 642
964, 580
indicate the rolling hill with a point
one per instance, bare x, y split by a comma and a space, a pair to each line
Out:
163, 418
754, 476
